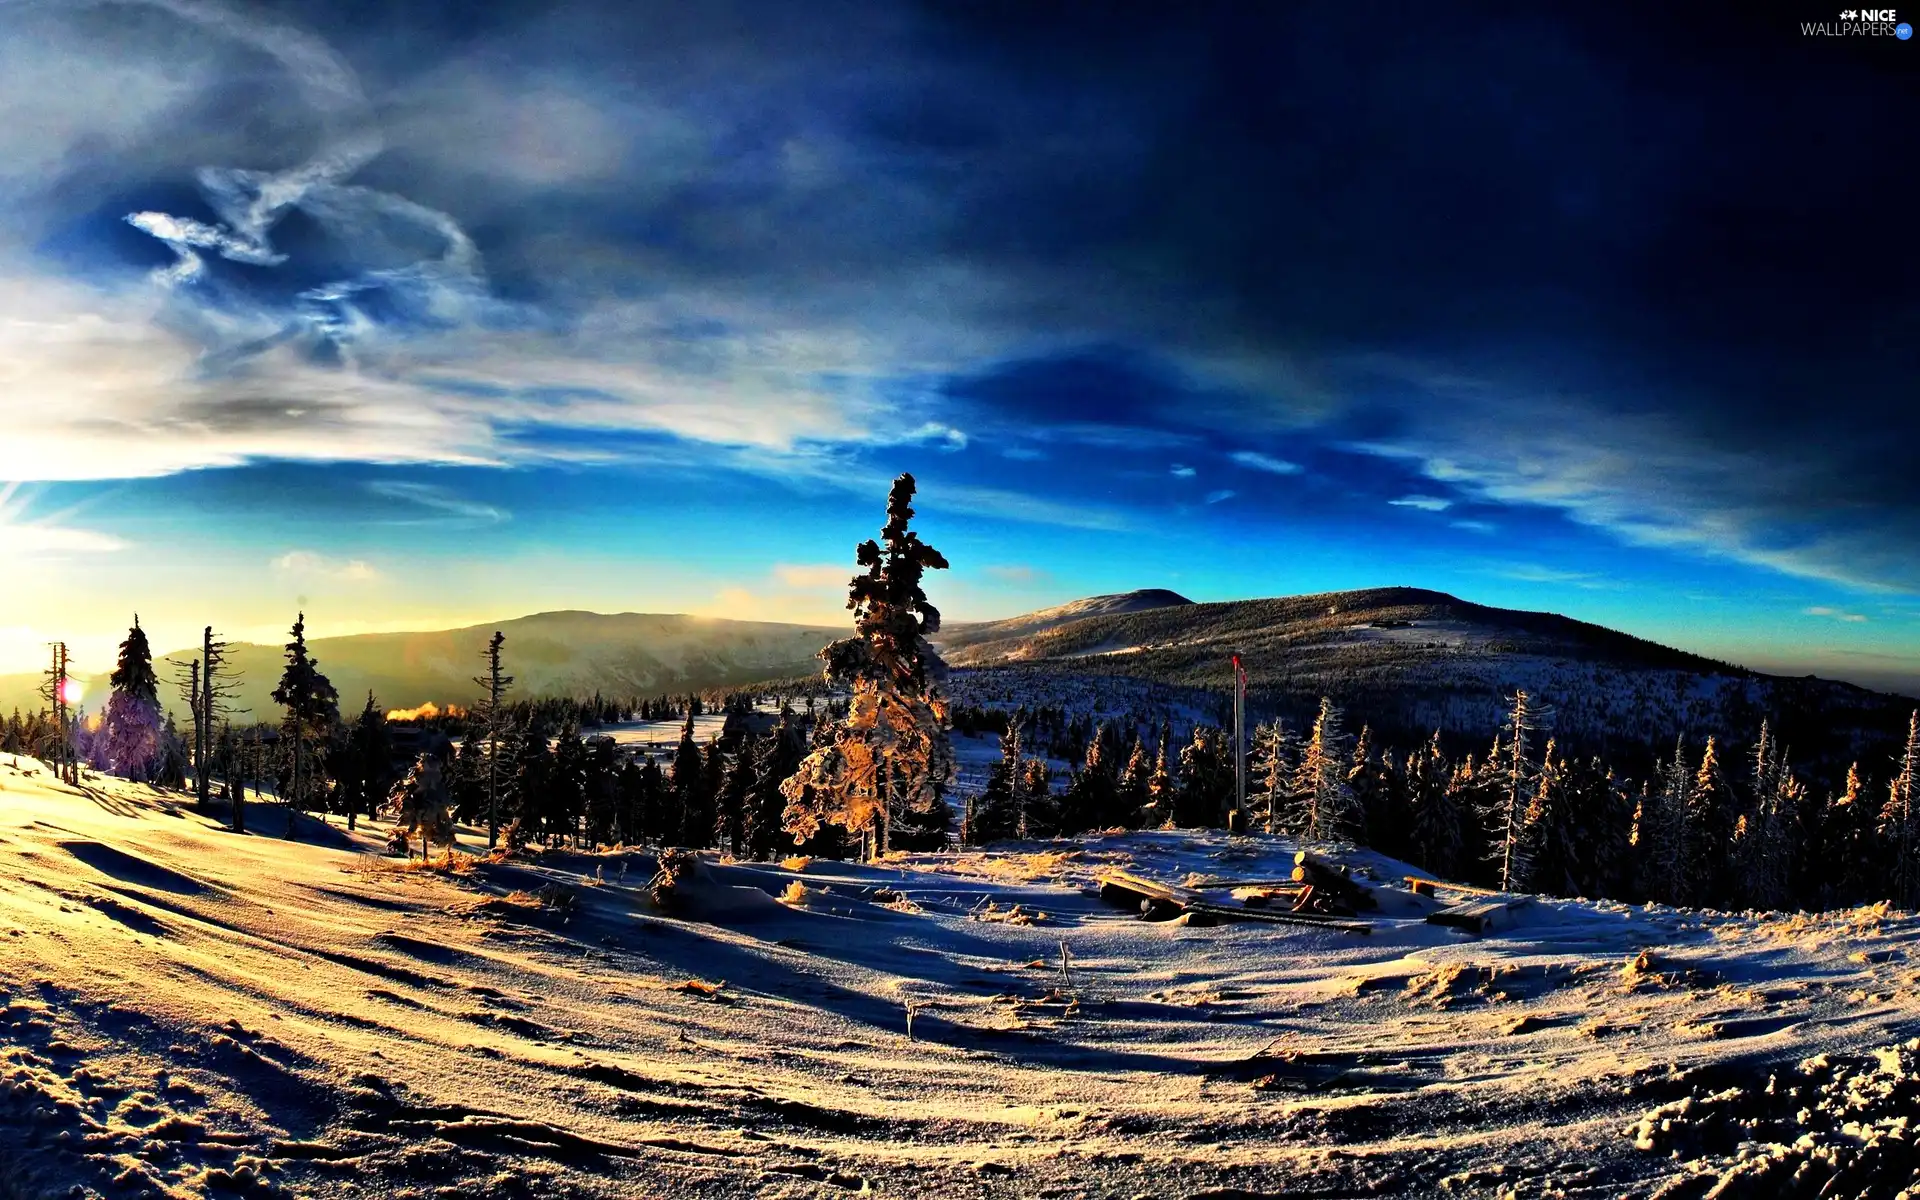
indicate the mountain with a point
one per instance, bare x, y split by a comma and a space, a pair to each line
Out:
988, 637
1407, 661
556, 653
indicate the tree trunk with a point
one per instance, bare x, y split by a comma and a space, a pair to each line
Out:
293, 797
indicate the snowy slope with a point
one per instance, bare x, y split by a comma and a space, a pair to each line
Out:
182, 1008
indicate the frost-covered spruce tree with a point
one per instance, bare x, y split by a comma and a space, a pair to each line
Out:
1324, 799
1130, 794
1554, 837
1206, 779
1000, 812
1275, 751
1845, 844
312, 707
1514, 781
1763, 836
130, 739
776, 757
1437, 830
1710, 817
1900, 822
891, 752
1088, 802
1158, 812
1660, 831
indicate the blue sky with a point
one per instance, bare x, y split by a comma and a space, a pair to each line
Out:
414, 316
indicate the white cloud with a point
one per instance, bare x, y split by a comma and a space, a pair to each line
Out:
1425, 503
1216, 497
1183, 471
1256, 461
1472, 526
1822, 610
306, 564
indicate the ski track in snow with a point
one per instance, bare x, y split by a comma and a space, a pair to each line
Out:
186, 1012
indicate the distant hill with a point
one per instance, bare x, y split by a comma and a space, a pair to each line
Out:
556, 653
990, 638
1408, 661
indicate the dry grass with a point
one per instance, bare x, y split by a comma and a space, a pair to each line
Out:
796, 894
796, 863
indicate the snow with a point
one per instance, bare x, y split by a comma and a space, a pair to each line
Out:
184, 1010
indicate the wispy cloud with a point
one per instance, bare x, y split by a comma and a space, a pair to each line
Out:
1215, 497
1015, 573
452, 507
1182, 471
1835, 614
1256, 461
1425, 503
1472, 526
1536, 573
307, 564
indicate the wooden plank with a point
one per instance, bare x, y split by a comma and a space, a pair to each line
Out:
1222, 881
1191, 901
1481, 916
1271, 917
1418, 881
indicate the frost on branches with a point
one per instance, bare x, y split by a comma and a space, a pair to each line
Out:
890, 756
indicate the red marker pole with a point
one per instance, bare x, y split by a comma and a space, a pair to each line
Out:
1238, 819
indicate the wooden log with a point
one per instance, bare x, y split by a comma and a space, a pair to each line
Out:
1421, 887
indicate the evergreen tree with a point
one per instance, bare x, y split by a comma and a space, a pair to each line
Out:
776, 759
1039, 814
1437, 827
688, 782
1091, 798
1710, 817
1763, 836
1161, 787
128, 742
422, 804
1900, 822
1552, 834
487, 719
1845, 843
1506, 815
529, 793
365, 773
660, 809
1000, 812
1660, 831
1325, 800
892, 750
133, 671
568, 790
736, 799
1130, 793
1206, 779
602, 792
1275, 762
311, 704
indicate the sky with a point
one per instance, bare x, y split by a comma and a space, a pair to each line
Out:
418, 315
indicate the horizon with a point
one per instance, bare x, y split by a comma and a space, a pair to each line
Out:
410, 317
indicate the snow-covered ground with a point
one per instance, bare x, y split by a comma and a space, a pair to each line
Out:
186, 1012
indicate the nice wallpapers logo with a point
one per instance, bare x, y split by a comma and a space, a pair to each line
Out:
1860, 22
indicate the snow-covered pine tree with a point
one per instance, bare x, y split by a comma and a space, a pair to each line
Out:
1088, 802
1437, 833
1763, 845
1158, 813
365, 774
312, 709
1324, 800
421, 803
1711, 813
1039, 811
1130, 794
776, 757
1555, 840
687, 779
1845, 844
736, 798
489, 719
1513, 787
1661, 832
128, 742
1000, 811
1274, 761
1206, 779
1900, 822
892, 747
